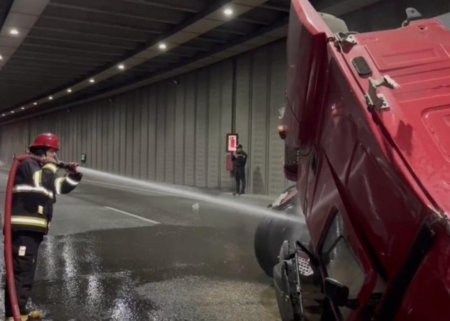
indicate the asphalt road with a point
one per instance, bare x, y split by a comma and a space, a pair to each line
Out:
125, 250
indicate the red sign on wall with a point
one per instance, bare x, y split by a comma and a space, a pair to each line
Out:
232, 142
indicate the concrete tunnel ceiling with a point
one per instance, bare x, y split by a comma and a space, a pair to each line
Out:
60, 52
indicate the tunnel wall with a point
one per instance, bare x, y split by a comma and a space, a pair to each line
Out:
176, 133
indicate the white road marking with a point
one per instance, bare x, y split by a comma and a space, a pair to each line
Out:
132, 215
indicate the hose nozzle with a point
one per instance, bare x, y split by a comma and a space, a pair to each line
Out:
69, 166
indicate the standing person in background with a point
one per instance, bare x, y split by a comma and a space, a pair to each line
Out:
239, 160
35, 188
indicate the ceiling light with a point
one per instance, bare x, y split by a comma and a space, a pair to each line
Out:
22, 107
162, 46
69, 90
35, 103
92, 80
12, 111
228, 12
1, 57
14, 32
3, 115
50, 97
121, 67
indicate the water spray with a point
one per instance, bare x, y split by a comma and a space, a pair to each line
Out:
190, 194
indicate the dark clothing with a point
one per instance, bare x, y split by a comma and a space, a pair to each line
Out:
35, 189
239, 175
239, 161
25, 250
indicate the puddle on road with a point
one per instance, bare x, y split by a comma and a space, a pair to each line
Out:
162, 273
202, 298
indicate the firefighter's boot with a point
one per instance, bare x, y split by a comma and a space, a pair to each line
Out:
23, 317
34, 315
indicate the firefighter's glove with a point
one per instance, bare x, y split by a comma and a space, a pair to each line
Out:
71, 168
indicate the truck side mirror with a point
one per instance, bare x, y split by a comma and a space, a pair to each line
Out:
337, 292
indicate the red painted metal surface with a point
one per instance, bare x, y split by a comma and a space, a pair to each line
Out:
229, 162
387, 171
428, 295
417, 122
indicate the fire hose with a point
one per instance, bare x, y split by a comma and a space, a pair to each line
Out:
12, 293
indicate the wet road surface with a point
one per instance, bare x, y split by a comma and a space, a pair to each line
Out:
119, 251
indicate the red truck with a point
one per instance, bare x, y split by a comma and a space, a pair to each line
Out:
367, 134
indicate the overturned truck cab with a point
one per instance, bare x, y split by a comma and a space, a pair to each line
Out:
367, 128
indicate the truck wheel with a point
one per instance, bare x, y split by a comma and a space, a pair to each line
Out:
261, 244
269, 237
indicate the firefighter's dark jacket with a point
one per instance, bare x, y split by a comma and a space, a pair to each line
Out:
35, 190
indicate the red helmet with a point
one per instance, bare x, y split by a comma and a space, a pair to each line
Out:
46, 140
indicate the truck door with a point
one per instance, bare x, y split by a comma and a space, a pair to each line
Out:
307, 75
343, 257
307, 52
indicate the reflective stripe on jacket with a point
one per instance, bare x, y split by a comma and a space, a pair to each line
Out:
35, 189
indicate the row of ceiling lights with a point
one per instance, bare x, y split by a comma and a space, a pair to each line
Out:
228, 12
12, 32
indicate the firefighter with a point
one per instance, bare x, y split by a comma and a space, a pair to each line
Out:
35, 188
239, 160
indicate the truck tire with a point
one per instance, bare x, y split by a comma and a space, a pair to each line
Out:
269, 237
261, 244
